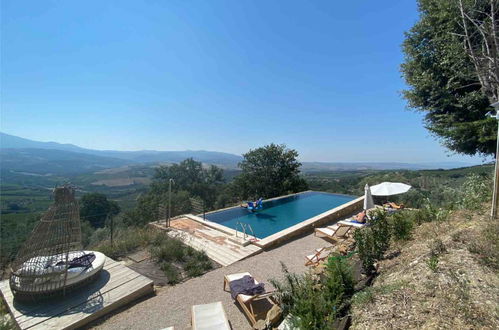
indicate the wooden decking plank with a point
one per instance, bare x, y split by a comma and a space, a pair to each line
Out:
121, 287
111, 300
114, 273
215, 243
77, 300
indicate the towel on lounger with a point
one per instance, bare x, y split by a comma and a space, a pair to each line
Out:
246, 285
83, 261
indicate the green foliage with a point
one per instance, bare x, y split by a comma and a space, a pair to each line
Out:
373, 241
166, 249
148, 207
171, 272
95, 208
125, 241
402, 226
190, 176
432, 263
197, 264
442, 188
270, 171
14, 229
474, 191
443, 81
315, 303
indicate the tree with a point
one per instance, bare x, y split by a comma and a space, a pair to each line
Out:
190, 176
444, 83
480, 23
270, 171
95, 208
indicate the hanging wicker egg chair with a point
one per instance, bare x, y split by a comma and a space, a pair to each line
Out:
51, 261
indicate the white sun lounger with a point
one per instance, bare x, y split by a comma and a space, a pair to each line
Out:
352, 224
209, 317
333, 232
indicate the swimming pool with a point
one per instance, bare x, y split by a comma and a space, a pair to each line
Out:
279, 214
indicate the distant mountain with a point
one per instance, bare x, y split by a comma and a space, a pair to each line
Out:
25, 155
222, 159
34, 161
326, 166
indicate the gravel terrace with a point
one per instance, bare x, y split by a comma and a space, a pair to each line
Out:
172, 305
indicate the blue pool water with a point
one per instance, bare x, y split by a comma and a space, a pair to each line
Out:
280, 214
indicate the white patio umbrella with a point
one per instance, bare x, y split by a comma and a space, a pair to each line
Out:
368, 198
389, 188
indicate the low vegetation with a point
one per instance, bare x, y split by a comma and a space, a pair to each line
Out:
316, 302
177, 260
427, 264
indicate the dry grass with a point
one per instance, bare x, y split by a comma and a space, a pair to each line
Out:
458, 289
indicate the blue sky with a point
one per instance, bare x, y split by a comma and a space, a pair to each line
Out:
320, 76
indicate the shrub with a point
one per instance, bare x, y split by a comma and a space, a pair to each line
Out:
373, 241
402, 226
430, 213
474, 191
364, 240
433, 263
381, 232
315, 303
198, 263
167, 249
171, 272
338, 283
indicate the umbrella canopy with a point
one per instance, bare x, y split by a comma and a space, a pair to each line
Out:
368, 198
389, 188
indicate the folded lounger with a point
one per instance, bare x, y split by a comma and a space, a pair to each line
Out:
320, 254
209, 317
333, 232
247, 302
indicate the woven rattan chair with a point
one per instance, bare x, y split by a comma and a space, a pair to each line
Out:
41, 268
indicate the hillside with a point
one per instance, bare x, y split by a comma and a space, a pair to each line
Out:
445, 277
10, 143
109, 158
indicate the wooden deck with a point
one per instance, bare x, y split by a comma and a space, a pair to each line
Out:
116, 286
219, 246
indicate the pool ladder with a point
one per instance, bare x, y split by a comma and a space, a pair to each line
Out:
244, 227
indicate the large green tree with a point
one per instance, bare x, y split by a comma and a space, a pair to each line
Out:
443, 81
190, 175
95, 208
270, 171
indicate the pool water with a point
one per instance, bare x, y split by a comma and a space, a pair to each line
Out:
281, 213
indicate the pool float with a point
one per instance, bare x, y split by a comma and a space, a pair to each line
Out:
258, 205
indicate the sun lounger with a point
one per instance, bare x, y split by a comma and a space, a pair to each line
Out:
209, 317
320, 254
394, 206
333, 232
352, 223
249, 303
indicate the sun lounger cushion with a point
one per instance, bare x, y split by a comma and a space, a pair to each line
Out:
352, 223
209, 317
246, 286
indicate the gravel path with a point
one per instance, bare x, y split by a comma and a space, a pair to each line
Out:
172, 305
